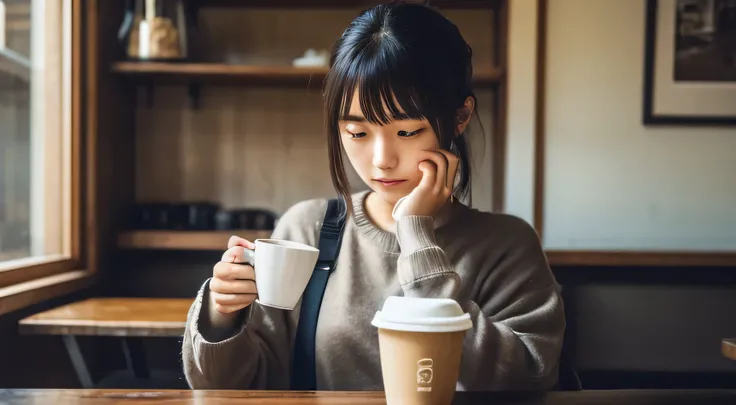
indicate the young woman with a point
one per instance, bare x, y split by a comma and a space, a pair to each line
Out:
398, 99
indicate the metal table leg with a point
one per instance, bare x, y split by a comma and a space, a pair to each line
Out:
70, 341
135, 357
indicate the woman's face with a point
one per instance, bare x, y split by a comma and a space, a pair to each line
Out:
386, 157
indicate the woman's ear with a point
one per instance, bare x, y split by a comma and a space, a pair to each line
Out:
464, 114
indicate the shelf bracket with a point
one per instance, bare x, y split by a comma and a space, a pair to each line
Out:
194, 95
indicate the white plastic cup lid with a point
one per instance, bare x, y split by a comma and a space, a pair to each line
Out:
422, 315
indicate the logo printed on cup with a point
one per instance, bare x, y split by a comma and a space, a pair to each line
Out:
424, 375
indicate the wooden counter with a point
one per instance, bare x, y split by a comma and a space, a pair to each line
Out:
170, 397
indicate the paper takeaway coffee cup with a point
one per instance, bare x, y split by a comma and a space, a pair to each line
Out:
283, 269
421, 343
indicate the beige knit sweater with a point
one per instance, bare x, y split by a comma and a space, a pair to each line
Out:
492, 264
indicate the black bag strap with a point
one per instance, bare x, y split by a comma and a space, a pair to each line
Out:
304, 374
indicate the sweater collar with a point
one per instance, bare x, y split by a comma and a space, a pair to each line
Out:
387, 239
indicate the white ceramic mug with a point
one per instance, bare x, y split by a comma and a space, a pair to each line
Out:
283, 269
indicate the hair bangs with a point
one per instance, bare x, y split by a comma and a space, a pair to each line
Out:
386, 93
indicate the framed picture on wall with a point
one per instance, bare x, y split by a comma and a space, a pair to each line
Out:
690, 62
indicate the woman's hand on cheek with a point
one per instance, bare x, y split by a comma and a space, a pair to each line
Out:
438, 169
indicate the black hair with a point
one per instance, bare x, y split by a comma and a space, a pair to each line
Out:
405, 59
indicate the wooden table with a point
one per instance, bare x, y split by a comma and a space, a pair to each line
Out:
128, 318
170, 397
728, 348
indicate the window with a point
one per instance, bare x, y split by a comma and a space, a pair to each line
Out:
39, 139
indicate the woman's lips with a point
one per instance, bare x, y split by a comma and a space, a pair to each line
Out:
389, 182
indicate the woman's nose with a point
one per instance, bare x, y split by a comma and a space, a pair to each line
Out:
384, 154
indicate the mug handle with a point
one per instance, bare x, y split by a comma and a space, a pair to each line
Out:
250, 257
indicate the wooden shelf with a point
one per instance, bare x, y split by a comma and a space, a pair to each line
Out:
212, 73
631, 258
184, 240
448, 4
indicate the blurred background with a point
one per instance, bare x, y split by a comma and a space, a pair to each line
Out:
136, 136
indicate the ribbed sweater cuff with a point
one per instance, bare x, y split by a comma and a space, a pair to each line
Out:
415, 233
201, 323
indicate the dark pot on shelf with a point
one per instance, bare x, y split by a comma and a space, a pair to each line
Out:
253, 219
263, 220
223, 220
198, 216
149, 216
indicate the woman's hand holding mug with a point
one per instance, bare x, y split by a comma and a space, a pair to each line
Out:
233, 284
282, 267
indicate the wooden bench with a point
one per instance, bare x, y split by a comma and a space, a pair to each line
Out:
127, 318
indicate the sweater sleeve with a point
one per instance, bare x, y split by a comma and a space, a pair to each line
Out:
257, 353
255, 356
517, 311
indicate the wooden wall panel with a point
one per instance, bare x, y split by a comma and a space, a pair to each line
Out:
261, 146
263, 36
254, 147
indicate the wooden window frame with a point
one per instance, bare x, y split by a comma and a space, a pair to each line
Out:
28, 281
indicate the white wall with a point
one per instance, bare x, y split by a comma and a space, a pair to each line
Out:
612, 183
522, 61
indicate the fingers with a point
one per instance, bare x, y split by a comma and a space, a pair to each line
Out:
441, 181
429, 174
232, 308
238, 241
453, 162
233, 271
221, 286
446, 164
233, 285
241, 300
238, 254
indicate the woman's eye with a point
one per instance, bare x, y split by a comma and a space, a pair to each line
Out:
358, 135
406, 134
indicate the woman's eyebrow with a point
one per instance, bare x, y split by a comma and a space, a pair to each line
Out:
353, 118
